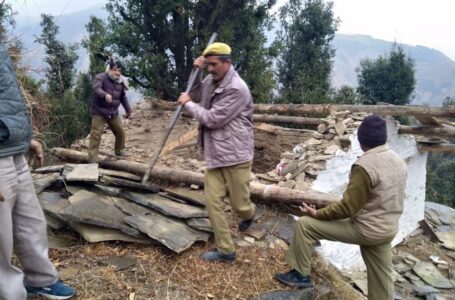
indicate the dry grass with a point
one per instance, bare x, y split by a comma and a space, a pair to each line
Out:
161, 274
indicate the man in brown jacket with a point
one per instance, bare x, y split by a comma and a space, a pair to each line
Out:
225, 113
368, 214
108, 93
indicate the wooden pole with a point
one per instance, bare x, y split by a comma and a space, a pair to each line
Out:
274, 119
437, 148
326, 109
428, 131
259, 191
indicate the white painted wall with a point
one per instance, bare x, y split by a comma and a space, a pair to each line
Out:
335, 178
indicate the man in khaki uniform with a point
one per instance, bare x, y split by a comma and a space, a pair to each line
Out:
368, 214
225, 114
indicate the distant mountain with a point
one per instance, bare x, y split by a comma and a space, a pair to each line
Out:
435, 72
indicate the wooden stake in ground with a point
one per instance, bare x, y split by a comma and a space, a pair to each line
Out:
194, 74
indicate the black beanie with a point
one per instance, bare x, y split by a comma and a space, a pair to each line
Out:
372, 132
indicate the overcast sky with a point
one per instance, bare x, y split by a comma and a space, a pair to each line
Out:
414, 22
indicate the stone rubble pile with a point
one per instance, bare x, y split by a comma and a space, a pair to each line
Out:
299, 168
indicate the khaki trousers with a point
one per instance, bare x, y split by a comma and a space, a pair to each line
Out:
376, 254
115, 124
22, 225
219, 182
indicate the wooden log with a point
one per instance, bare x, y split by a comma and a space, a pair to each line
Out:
262, 192
326, 109
274, 119
437, 148
428, 131
428, 121
181, 140
278, 119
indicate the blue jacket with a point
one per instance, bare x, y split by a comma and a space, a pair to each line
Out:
15, 128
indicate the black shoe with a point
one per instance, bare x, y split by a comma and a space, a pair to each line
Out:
215, 255
245, 224
294, 278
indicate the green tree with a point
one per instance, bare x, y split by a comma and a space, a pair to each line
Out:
96, 44
60, 58
448, 101
390, 78
441, 179
345, 95
304, 67
159, 40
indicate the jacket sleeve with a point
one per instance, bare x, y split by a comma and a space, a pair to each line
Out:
222, 111
98, 87
124, 101
354, 198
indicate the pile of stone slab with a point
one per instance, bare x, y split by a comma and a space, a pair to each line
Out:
440, 221
299, 168
103, 205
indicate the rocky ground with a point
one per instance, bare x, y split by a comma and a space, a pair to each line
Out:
121, 270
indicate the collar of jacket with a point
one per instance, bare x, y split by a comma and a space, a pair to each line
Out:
377, 149
226, 79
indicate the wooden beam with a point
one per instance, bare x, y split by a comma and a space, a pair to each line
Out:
428, 131
326, 109
181, 140
259, 191
274, 119
278, 119
437, 148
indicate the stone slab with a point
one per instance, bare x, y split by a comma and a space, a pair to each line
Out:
202, 224
81, 172
258, 231
191, 196
431, 275
119, 174
42, 181
130, 208
53, 222
95, 234
53, 204
50, 169
57, 242
120, 262
165, 206
109, 180
303, 294
447, 238
91, 208
173, 234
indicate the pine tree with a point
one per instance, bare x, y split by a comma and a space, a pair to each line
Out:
60, 58
389, 78
161, 38
304, 67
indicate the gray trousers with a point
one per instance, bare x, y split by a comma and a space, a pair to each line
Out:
22, 226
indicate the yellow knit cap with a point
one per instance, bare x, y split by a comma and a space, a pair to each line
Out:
217, 49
